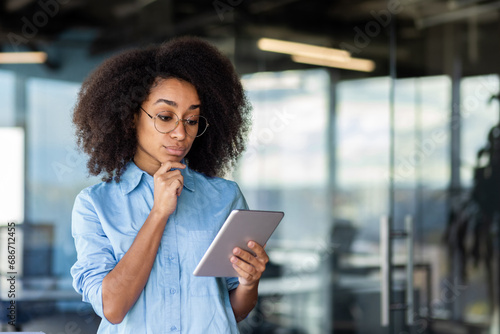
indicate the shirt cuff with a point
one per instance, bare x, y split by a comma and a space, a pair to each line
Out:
232, 283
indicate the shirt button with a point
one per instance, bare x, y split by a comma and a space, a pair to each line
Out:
171, 257
173, 328
172, 291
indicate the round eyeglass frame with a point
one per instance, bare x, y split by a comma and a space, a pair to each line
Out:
177, 123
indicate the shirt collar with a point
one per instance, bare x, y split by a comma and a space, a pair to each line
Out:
132, 176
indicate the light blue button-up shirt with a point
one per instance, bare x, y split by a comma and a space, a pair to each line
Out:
106, 219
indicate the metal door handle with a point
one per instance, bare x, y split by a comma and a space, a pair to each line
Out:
409, 270
386, 235
385, 262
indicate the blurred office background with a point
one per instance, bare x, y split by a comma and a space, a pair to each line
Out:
385, 158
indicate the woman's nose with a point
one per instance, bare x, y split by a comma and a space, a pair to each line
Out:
179, 132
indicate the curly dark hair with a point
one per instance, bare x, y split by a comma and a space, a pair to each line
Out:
113, 93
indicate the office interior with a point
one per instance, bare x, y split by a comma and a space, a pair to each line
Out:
382, 147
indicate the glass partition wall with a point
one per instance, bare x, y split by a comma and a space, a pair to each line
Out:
285, 168
386, 183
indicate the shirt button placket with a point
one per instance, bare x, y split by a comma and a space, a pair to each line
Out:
173, 280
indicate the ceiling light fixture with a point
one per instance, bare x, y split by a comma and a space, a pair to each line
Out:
354, 64
23, 57
301, 49
316, 55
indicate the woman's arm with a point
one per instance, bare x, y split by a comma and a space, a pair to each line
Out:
250, 269
243, 300
122, 286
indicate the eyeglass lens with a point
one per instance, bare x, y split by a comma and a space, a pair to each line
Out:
166, 121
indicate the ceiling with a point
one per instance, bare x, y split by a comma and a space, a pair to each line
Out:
427, 33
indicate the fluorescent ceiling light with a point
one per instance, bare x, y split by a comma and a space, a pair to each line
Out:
355, 64
301, 49
316, 55
23, 57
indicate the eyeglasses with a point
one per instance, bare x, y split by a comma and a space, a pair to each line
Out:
167, 121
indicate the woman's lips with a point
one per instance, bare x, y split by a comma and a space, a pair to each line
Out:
175, 150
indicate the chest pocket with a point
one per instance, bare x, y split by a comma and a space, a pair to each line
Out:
199, 241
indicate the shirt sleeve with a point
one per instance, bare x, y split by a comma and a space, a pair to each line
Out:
95, 256
239, 203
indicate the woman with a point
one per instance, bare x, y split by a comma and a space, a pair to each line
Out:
162, 124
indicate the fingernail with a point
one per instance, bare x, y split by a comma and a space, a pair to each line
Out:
236, 251
233, 259
251, 244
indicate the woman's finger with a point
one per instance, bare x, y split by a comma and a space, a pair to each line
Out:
179, 186
249, 279
246, 257
259, 251
245, 270
167, 166
247, 267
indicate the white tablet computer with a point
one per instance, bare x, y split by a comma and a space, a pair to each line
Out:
240, 227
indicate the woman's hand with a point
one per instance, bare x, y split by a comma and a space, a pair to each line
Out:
167, 187
248, 266
123, 285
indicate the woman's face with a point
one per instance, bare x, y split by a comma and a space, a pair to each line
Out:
174, 95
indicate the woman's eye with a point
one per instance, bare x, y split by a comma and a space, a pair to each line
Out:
191, 122
164, 118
